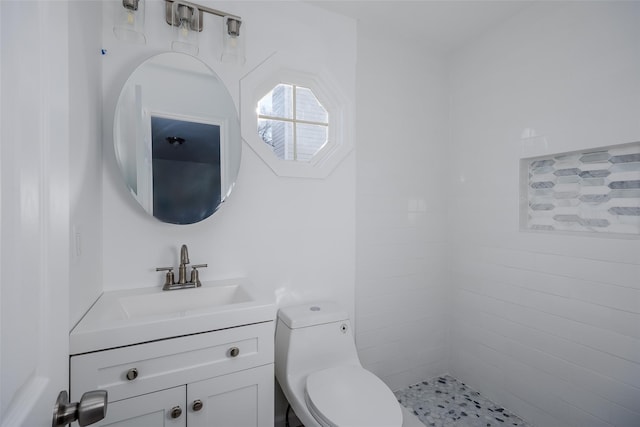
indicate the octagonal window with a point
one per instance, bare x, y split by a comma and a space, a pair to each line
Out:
292, 122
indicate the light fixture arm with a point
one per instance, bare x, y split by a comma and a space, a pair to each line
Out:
233, 22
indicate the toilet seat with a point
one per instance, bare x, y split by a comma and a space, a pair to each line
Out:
349, 396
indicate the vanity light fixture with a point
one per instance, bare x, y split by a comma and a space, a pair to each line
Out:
187, 18
187, 22
129, 21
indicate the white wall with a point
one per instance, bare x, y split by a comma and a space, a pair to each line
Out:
401, 225
293, 236
85, 156
546, 324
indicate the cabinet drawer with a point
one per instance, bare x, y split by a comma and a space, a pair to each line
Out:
168, 363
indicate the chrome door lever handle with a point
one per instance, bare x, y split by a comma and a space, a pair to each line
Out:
91, 409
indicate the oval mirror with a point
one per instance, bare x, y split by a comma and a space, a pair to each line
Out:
177, 138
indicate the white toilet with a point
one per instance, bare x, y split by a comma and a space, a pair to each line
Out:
320, 374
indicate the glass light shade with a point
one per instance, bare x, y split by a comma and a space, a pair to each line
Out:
232, 41
185, 28
129, 21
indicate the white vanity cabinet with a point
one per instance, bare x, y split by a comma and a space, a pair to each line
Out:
153, 409
218, 378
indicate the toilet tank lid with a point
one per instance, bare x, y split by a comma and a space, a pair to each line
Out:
313, 313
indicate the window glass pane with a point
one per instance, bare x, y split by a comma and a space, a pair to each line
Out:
275, 110
311, 138
308, 107
277, 103
279, 135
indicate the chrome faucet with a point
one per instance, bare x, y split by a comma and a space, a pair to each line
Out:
170, 284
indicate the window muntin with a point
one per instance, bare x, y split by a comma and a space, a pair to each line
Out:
293, 122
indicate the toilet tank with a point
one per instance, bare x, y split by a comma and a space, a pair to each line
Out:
311, 337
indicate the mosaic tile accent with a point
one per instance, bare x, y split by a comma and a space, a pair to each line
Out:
445, 401
594, 191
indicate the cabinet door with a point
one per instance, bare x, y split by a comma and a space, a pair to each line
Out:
240, 399
149, 410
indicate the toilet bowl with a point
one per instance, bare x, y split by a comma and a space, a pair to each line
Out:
318, 369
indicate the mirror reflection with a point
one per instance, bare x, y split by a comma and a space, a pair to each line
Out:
177, 138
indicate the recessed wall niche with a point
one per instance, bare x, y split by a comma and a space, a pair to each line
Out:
592, 191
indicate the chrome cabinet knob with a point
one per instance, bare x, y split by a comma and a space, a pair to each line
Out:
197, 405
132, 374
176, 411
234, 351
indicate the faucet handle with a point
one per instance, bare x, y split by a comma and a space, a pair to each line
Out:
195, 276
169, 279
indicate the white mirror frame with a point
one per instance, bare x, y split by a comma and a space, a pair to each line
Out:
280, 68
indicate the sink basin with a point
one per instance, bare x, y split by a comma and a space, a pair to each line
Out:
127, 317
183, 300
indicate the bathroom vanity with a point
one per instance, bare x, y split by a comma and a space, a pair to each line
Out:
204, 359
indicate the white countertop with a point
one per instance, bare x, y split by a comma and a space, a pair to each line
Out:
108, 324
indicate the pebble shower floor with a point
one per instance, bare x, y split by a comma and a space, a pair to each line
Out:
445, 401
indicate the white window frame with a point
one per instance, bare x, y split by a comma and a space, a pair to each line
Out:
283, 69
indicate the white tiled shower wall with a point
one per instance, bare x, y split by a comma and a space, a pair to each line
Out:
401, 275
548, 325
